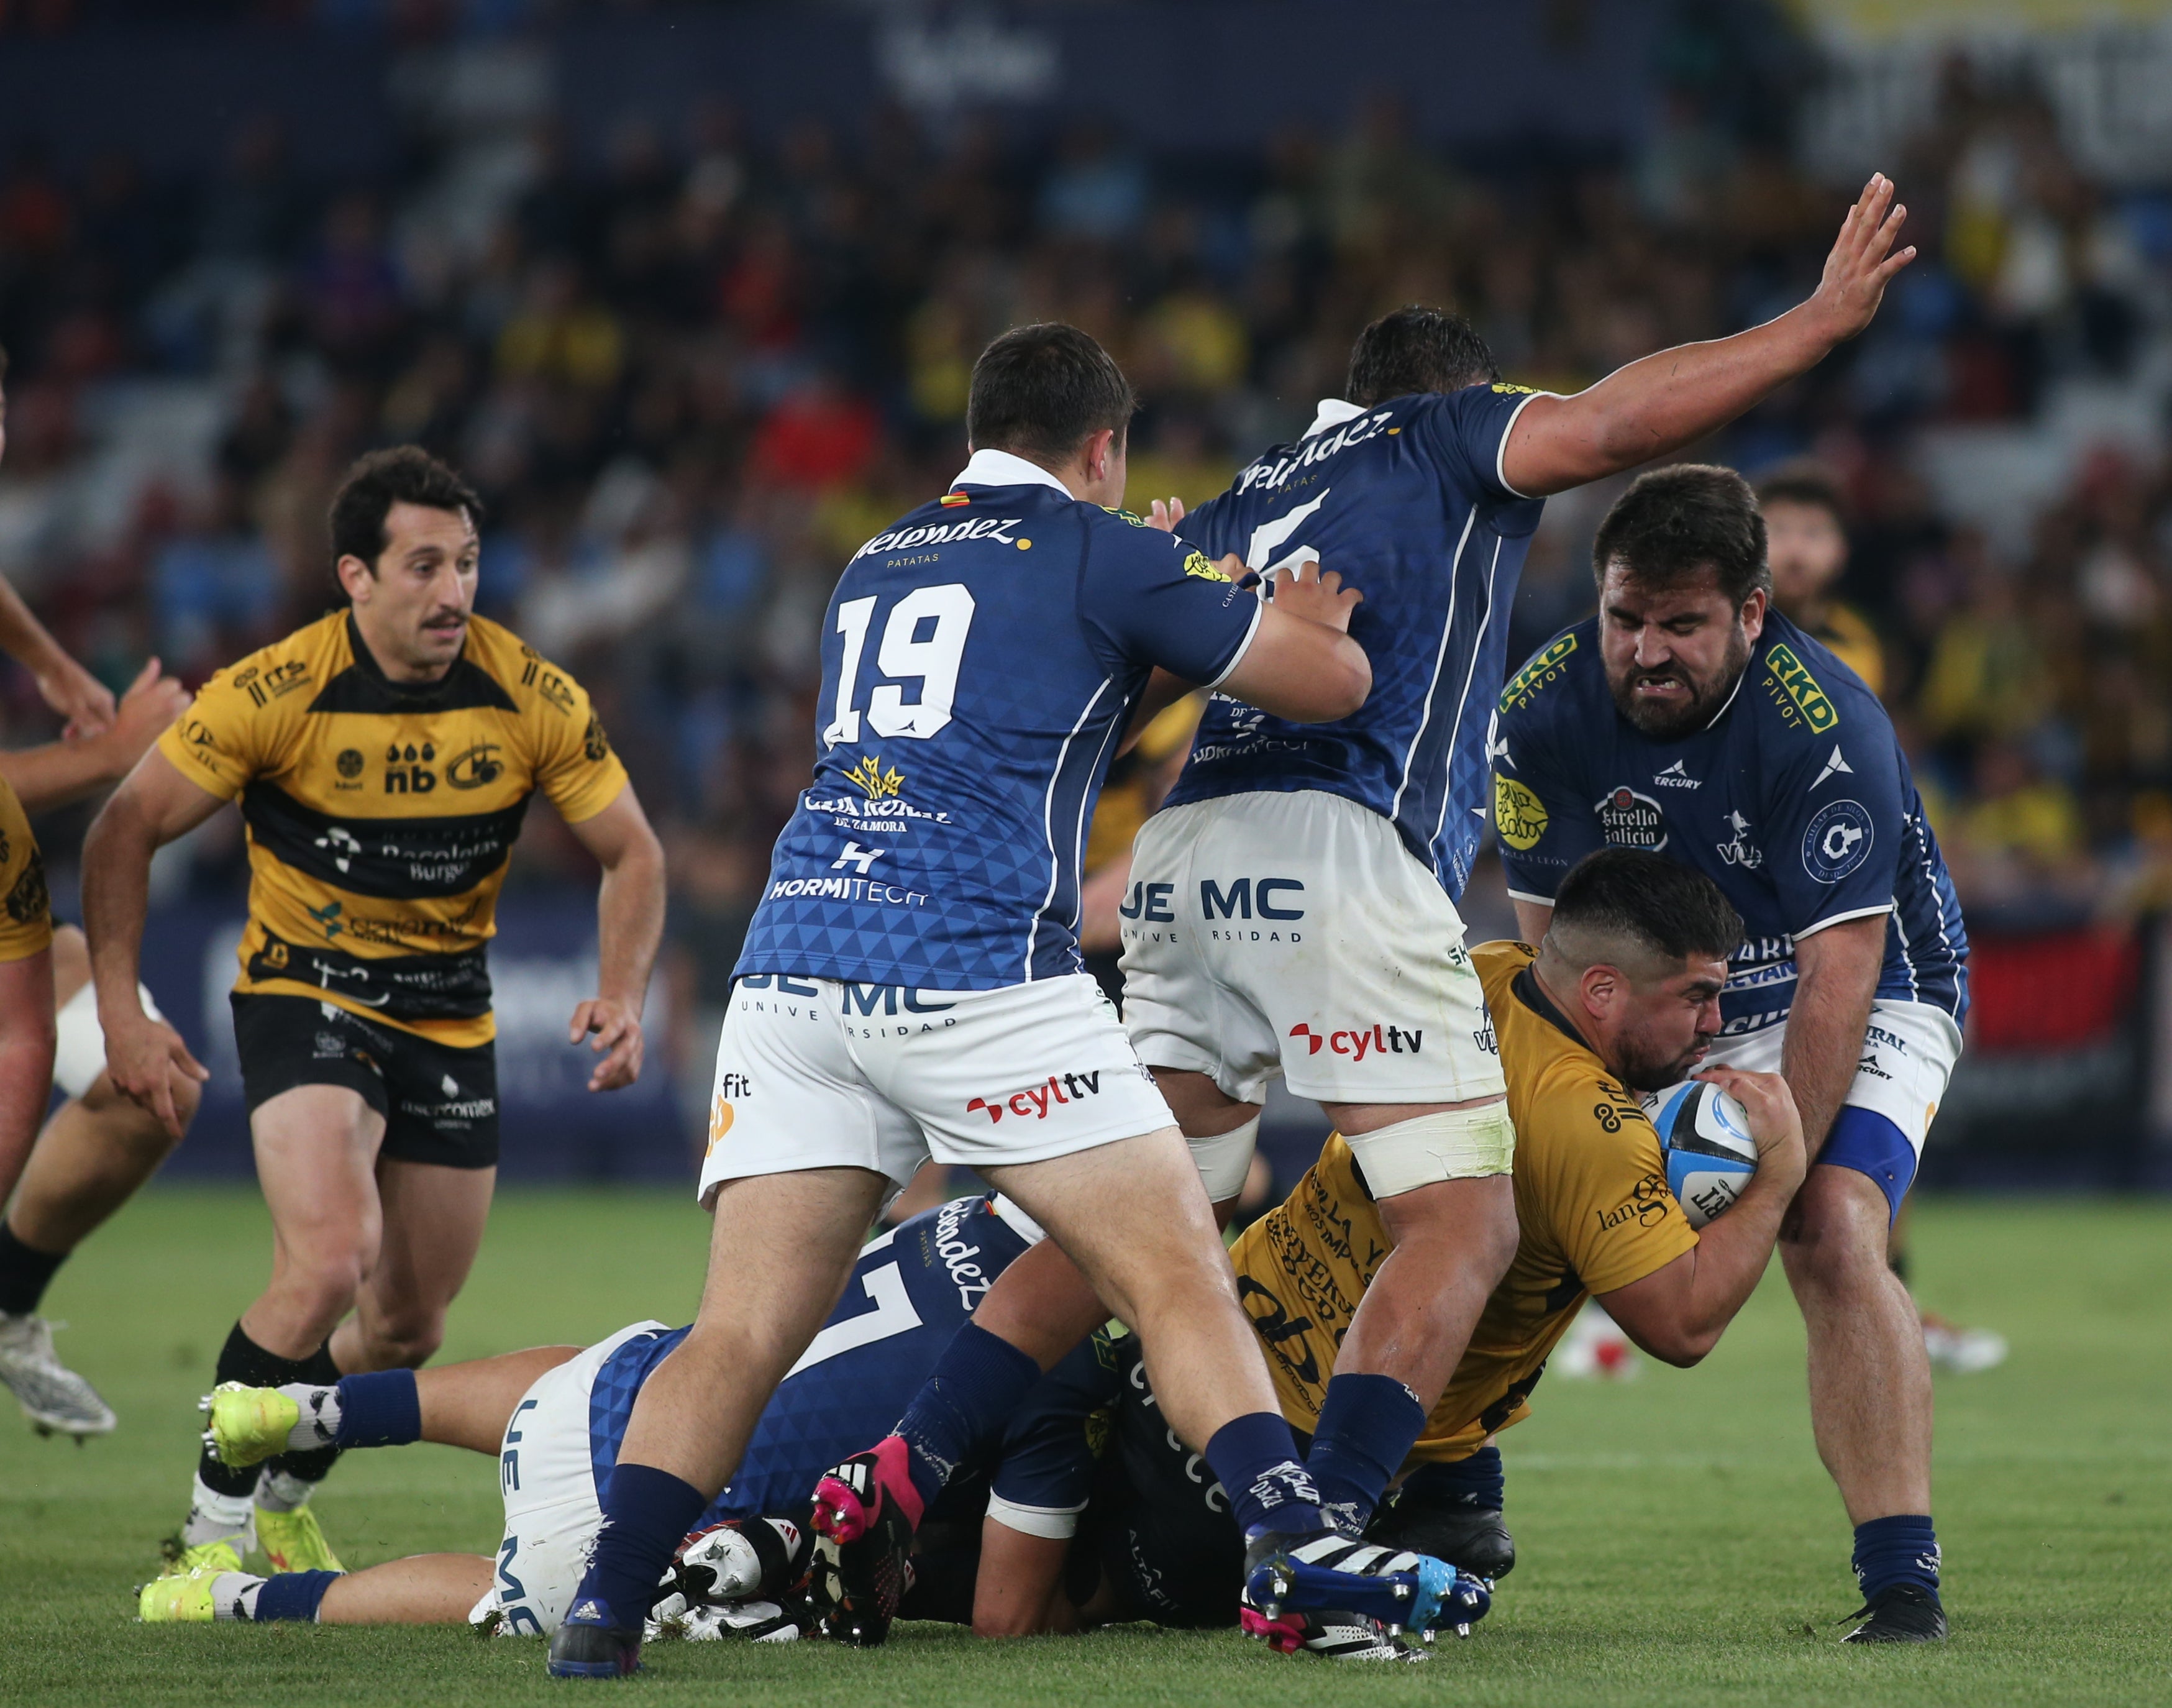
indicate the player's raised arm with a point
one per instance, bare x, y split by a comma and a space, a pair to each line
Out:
154, 804
1676, 397
1301, 662
61, 771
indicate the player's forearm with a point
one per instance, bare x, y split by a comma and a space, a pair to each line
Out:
61, 771
1662, 402
1730, 1259
629, 921
116, 893
1823, 1043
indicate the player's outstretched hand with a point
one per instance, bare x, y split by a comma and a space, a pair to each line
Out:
151, 702
144, 1057
1775, 1123
1305, 591
80, 697
617, 1039
1864, 259
1165, 517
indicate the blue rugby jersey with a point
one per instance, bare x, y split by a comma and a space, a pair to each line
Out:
1408, 503
1796, 800
910, 1292
980, 660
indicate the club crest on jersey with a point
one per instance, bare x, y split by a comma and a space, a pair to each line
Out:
1838, 841
1738, 849
1198, 563
1628, 820
1796, 692
870, 777
1519, 815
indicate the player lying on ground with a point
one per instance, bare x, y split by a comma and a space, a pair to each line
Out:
1303, 880
993, 1551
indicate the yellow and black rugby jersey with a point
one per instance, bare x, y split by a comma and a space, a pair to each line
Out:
1849, 638
381, 813
1591, 1194
26, 921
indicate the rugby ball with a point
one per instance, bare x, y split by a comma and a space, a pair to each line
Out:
1704, 1134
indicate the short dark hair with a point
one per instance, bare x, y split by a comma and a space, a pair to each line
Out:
1667, 908
1416, 349
1040, 390
1676, 522
1803, 483
405, 474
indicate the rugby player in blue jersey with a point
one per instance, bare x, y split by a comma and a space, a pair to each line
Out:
911, 986
1692, 716
1292, 907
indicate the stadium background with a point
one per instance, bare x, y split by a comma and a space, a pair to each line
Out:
692, 291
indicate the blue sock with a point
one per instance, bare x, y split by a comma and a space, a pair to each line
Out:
379, 1409
292, 1595
1899, 1550
647, 1514
978, 1383
1255, 1459
1367, 1425
1477, 1482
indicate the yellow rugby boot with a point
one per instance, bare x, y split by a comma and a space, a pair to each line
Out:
207, 1559
248, 1425
184, 1598
293, 1542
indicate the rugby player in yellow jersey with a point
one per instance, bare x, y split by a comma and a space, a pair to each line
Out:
1806, 544
26, 990
1621, 997
383, 758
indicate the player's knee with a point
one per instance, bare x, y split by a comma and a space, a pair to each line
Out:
1835, 1243
404, 1339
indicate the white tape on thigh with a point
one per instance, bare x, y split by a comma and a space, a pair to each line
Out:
1462, 1144
79, 1041
1225, 1159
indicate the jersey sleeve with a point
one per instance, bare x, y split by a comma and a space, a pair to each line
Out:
574, 763
26, 922
230, 735
1467, 431
1156, 598
1840, 805
1543, 824
1614, 1217
1053, 1444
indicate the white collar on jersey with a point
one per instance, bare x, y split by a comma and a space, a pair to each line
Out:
1333, 412
1001, 469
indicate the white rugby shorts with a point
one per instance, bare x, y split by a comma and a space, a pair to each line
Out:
815, 1074
1908, 1055
1294, 934
546, 1472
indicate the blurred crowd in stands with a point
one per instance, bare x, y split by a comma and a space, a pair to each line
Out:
692, 374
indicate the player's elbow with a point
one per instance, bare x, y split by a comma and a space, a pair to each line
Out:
1337, 688
1685, 1346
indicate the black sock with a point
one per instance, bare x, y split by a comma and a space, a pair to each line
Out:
316, 1465
242, 1359
25, 1272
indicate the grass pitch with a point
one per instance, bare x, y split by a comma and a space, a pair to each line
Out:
1679, 1542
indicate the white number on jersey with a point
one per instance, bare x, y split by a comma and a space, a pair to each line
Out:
893, 1314
935, 661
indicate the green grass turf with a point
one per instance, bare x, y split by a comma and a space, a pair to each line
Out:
1679, 1542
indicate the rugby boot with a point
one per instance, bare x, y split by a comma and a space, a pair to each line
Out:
209, 1558
1324, 1571
1901, 1612
865, 1490
1333, 1637
1476, 1537
248, 1425
590, 1643
854, 1587
294, 1541
52, 1396
185, 1598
